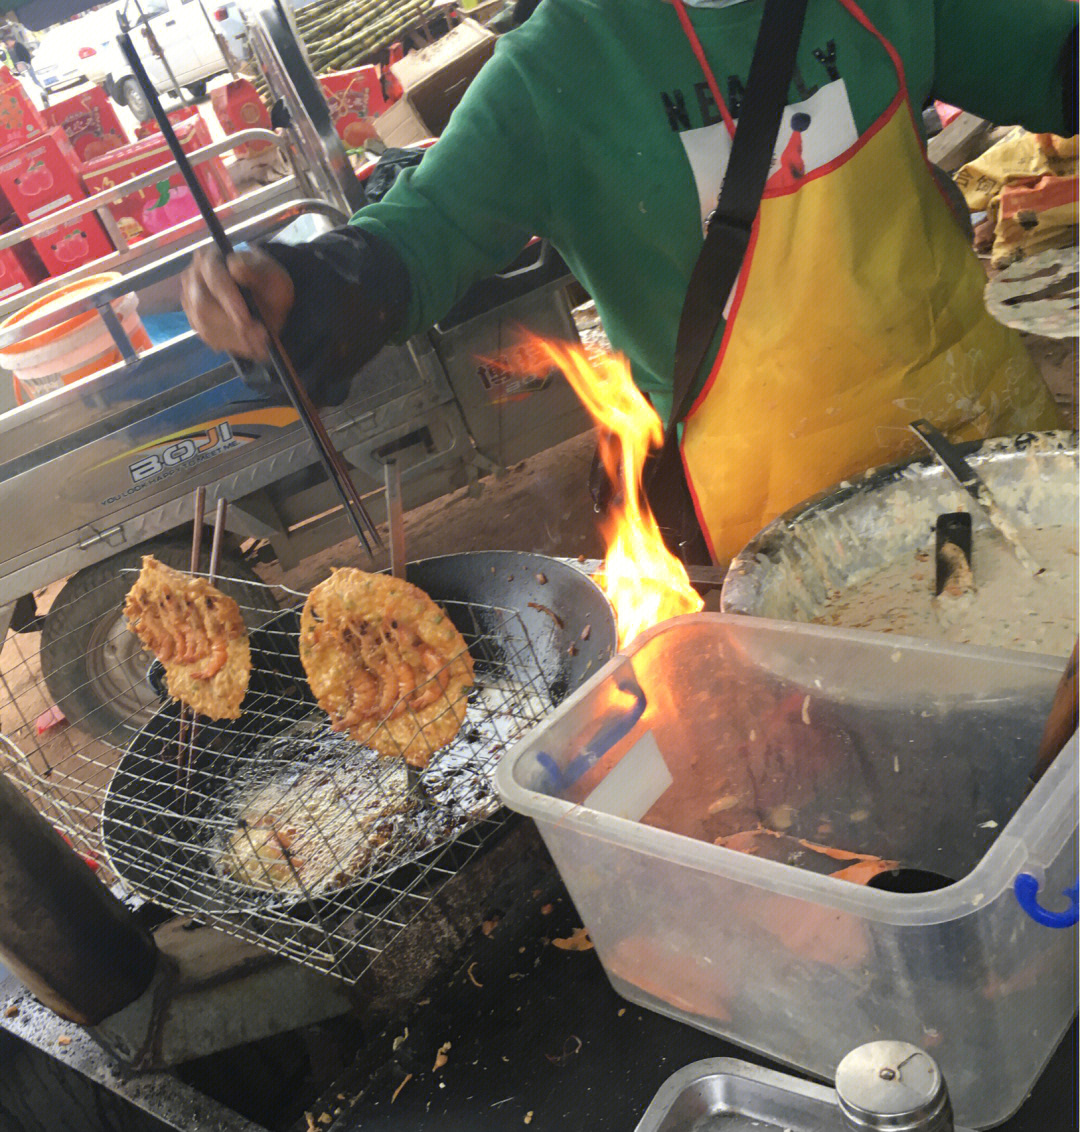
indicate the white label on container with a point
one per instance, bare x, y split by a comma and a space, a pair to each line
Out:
633, 786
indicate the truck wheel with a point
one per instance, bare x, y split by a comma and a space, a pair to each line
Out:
197, 90
94, 667
135, 100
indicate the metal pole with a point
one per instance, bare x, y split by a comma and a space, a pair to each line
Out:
62, 932
395, 517
155, 47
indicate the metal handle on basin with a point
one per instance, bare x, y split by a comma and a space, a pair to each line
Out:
1026, 888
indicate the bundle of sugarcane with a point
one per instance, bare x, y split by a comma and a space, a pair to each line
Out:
361, 40
262, 88
339, 36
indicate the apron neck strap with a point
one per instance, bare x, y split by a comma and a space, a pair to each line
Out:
703, 62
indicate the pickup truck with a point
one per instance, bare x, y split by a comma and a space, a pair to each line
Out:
194, 39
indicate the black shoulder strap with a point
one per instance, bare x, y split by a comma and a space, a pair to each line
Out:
727, 237
728, 231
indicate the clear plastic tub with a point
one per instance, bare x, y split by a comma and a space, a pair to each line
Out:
889, 746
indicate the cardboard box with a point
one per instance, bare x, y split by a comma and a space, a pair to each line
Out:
400, 126
41, 176
20, 121
355, 99
89, 122
20, 267
183, 114
435, 78
71, 245
238, 106
391, 87
168, 203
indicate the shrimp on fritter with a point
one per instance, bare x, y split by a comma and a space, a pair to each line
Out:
385, 663
197, 633
437, 679
219, 629
363, 694
374, 656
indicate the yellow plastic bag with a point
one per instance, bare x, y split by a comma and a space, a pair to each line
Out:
1028, 186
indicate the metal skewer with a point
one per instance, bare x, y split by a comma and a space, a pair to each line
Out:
198, 508
215, 558
280, 363
219, 534
395, 518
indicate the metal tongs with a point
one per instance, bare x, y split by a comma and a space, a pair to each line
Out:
280, 364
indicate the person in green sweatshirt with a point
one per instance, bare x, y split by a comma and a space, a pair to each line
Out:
605, 126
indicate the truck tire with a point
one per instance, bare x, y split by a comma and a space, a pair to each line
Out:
197, 90
135, 100
94, 667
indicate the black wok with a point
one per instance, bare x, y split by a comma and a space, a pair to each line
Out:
529, 620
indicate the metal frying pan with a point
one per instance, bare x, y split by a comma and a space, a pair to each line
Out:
534, 625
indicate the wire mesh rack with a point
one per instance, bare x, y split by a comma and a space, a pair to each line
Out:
272, 827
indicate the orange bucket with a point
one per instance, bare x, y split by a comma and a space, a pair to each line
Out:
77, 347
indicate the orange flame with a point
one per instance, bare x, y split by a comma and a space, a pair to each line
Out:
642, 579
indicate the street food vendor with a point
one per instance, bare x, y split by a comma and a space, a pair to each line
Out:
606, 127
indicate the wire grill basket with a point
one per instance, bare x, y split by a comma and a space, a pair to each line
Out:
271, 826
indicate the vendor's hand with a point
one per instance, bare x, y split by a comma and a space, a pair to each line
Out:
211, 298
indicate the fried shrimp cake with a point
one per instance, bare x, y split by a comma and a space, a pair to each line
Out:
385, 663
196, 632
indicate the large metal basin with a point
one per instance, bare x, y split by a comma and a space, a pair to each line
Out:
846, 534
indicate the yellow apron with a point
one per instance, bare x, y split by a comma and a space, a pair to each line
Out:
859, 309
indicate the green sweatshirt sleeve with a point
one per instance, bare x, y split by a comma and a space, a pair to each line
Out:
1002, 59
476, 199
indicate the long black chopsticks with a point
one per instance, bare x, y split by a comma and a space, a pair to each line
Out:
280, 363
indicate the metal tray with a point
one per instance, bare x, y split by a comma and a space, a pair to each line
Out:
721, 1094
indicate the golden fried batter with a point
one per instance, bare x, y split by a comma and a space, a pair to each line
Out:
385, 663
196, 632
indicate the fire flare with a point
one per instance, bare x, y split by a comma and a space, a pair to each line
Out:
642, 579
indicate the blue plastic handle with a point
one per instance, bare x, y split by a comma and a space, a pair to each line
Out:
610, 731
1026, 888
